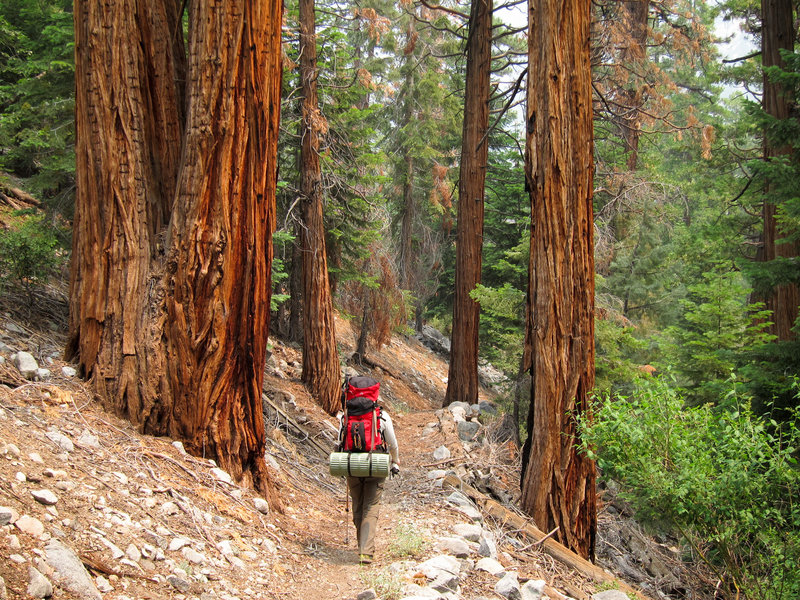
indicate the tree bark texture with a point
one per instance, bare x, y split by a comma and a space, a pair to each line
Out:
462, 383
635, 13
173, 226
558, 488
320, 359
778, 33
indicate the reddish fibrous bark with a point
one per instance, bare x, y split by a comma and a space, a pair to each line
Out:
172, 240
778, 34
320, 359
462, 382
558, 488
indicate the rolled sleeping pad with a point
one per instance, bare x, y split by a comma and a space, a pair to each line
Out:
359, 464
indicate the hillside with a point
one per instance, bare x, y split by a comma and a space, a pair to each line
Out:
147, 520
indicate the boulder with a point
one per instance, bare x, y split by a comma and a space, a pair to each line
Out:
26, 364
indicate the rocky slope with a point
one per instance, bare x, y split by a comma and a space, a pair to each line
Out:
89, 508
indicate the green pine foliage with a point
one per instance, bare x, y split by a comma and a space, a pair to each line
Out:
37, 73
718, 328
29, 253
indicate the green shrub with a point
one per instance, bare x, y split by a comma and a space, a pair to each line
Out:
388, 585
407, 540
725, 479
28, 253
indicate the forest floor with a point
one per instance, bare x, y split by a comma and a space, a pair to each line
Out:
131, 505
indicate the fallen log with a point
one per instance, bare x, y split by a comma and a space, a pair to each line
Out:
548, 545
323, 451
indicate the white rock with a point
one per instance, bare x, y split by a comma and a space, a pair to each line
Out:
508, 587
26, 364
133, 553
179, 446
70, 572
236, 561
177, 544
11, 449
69, 371
170, 508
441, 453
491, 566
225, 548
533, 590
458, 547
261, 505
42, 374
89, 441
469, 531
610, 595
193, 556
36, 457
20, 476
487, 547
30, 525
38, 585
437, 474
431, 567
55, 473
60, 440
103, 585
221, 475
18, 558
459, 414
13, 542
116, 551
45, 497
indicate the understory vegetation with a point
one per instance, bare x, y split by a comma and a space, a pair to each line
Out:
698, 411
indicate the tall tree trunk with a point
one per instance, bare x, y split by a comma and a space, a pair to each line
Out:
635, 13
558, 488
169, 321
407, 223
320, 360
296, 287
462, 384
778, 34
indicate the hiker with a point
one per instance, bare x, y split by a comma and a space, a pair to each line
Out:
360, 395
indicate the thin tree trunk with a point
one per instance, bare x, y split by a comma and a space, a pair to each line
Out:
462, 383
636, 12
296, 288
320, 359
408, 216
778, 34
170, 322
558, 488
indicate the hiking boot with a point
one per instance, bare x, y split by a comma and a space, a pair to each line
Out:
364, 559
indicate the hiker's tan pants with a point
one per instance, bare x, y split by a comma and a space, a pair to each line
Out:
366, 495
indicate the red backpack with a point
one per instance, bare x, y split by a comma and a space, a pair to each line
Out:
361, 430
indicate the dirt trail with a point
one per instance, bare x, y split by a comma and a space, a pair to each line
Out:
328, 566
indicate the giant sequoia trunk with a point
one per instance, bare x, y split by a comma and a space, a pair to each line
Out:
462, 383
558, 488
320, 360
170, 276
778, 34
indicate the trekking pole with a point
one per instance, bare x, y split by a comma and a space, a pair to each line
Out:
346, 514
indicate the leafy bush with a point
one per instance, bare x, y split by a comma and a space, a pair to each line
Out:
387, 584
725, 479
407, 540
28, 253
